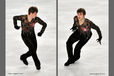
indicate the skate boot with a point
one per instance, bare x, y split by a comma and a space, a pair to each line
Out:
69, 61
22, 58
38, 67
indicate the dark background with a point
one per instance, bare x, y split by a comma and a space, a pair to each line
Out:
2, 37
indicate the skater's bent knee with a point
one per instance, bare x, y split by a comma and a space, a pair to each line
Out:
69, 43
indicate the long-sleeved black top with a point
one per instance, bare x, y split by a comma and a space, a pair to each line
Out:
27, 26
85, 28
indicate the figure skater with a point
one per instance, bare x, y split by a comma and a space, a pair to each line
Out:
28, 35
81, 33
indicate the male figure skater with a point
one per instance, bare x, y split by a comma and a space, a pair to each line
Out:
28, 35
82, 33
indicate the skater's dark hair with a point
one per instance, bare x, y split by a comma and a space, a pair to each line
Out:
32, 10
81, 10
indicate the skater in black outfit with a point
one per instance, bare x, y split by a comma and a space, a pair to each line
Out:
82, 33
28, 34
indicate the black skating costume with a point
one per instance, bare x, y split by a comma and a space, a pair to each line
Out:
81, 33
28, 36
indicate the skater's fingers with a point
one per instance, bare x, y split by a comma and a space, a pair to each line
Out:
97, 40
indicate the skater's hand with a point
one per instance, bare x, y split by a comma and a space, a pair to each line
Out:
99, 40
39, 34
17, 27
72, 30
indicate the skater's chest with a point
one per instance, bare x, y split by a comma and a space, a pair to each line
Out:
26, 23
84, 26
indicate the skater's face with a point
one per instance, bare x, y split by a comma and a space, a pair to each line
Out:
34, 15
80, 16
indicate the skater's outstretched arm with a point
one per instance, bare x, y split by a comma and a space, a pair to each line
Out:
98, 31
44, 25
74, 27
15, 18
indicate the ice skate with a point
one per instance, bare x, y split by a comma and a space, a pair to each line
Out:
22, 58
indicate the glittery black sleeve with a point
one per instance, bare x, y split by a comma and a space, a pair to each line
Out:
40, 21
96, 28
74, 27
15, 18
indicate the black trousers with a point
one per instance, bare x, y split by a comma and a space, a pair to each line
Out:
30, 41
82, 40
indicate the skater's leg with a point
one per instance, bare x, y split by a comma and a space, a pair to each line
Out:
36, 60
31, 43
27, 42
25, 56
34, 53
78, 47
69, 45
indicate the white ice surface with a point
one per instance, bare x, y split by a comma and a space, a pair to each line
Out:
46, 44
94, 57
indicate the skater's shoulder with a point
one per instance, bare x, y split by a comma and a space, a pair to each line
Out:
87, 20
38, 18
24, 16
20, 17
